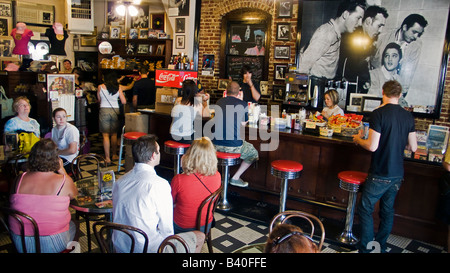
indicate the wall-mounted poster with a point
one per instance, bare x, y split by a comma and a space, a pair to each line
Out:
179, 7
141, 19
208, 65
113, 18
414, 40
247, 39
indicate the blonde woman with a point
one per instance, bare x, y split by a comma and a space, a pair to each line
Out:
22, 121
199, 179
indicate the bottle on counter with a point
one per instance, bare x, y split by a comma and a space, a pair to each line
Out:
288, 121
283, 115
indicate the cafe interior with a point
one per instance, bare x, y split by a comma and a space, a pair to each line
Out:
316, 184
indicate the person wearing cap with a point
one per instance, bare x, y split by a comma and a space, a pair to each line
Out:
258, 49
57, 37
21, 35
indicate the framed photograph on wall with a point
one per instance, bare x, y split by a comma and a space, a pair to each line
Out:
368, 104
142, 49
143, 33
158, 21
60, 84
179, 39
160, 50
283, 32
114, 33
282, 52
284, 8
180, 25
141, 19
280, 72
264, 87
113, 18
222, 84
279, 92
6, 48
5, 27
423, 63
134, 33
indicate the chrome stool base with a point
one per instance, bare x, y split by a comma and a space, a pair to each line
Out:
347, 236
223, 203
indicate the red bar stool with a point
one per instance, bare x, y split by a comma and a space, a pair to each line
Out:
226, 160
350, 181
129, 136
177, 149
285, 169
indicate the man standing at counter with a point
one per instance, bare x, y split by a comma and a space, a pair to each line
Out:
232, 114
391, 130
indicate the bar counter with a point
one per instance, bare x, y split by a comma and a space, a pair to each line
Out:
317, 190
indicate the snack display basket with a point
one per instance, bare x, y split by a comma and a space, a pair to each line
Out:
347, 125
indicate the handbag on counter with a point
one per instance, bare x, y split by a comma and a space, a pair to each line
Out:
26, 142
7, 108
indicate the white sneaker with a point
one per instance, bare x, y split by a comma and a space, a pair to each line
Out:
238, 183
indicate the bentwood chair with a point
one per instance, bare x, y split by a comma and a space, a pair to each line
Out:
170, 242
76, 164
204, 225
103, 231
9, 214
77, 175
312, 220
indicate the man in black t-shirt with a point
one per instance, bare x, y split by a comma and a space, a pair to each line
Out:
251, 92
391, 131
144, 91
232, 114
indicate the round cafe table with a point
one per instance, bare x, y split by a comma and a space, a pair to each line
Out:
90, 200
91, 203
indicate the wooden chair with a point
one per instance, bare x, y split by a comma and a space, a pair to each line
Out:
210, 204
169, 242
282, 217
77, 175
76, 164
100, 229
20, 217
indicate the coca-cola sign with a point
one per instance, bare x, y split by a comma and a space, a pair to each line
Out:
173, 78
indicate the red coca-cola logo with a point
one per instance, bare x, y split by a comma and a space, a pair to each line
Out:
170, 77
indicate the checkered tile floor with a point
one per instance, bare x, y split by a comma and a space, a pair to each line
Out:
234, 231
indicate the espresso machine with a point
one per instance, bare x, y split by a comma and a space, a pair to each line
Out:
297, 89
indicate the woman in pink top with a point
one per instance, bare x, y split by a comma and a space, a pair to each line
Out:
199, 179
44, 193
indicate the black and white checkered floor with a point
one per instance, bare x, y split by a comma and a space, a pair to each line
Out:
234, 230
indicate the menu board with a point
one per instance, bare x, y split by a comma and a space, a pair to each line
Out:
235, 63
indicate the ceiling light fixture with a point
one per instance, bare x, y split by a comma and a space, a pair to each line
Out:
122, 8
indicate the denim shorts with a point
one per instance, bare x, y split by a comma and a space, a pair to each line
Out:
248, 153
108, 120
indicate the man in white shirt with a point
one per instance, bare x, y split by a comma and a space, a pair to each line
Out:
143, 200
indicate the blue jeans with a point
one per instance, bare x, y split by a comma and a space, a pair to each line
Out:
376, 189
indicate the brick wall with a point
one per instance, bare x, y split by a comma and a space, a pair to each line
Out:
213, 11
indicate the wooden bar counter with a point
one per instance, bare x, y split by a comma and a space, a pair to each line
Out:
317, 190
